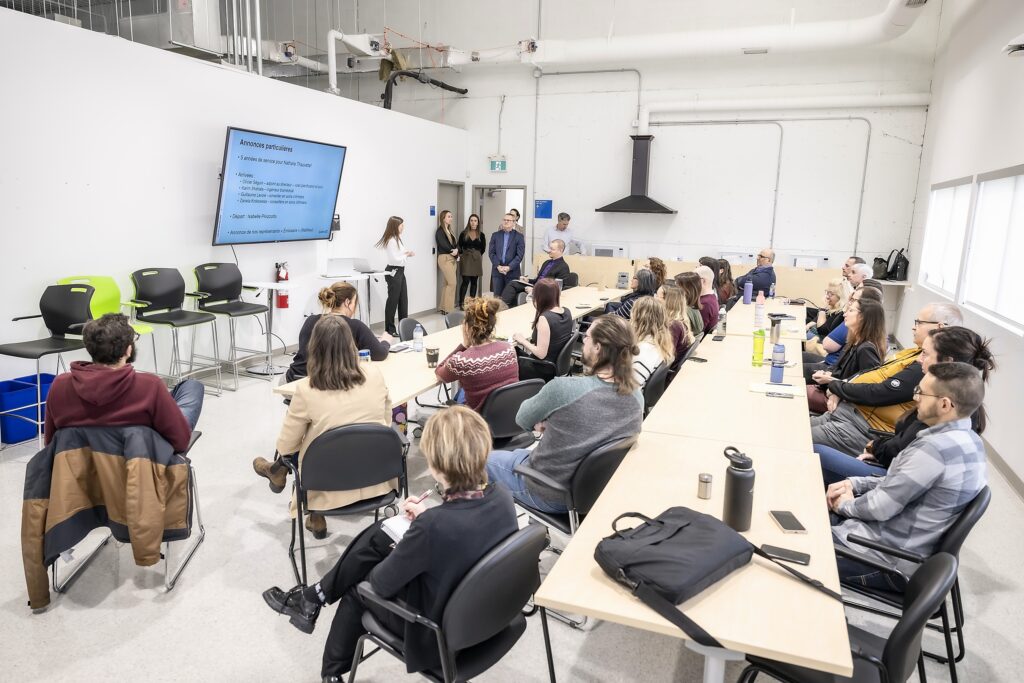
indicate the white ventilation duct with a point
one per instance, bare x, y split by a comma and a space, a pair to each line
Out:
892, 22
778, 104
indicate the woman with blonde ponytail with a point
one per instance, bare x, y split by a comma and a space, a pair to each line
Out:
341, 299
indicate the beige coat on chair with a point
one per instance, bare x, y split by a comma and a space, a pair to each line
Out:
312, 412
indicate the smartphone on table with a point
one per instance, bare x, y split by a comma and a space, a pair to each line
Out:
788, 522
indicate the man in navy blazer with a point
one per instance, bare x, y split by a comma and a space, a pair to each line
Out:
506, 250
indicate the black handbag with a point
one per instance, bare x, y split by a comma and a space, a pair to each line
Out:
880, 267
898, 264
667, 560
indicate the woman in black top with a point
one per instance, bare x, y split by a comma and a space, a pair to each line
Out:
865, 348
472, 247
447, 256
552, 325
424, 568
338, 299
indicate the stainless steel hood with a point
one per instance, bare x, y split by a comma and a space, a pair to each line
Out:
638, 201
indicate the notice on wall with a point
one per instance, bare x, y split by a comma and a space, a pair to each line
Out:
277, 189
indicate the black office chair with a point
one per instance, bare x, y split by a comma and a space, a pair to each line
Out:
951, 542
342, 459
521, 298
878, 659
159, 295
535, 368
499, 411
453, 319
64, 310
655, 387
406, 328
483, 618
587, 483
571, 280
220, 288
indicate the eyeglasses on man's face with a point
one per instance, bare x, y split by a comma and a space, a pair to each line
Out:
918, 392
918, 323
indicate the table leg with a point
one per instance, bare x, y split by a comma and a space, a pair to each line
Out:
714, 660
268, 368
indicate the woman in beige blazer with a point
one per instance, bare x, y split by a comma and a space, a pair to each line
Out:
338, 391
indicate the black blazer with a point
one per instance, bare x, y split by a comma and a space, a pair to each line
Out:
857, 359
444, 245
559, 270
437, 552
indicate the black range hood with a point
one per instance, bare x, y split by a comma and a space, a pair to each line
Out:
638, 201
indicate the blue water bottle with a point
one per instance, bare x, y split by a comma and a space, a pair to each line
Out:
748, 292
778, 363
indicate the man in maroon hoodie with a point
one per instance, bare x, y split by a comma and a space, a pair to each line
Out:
108, 392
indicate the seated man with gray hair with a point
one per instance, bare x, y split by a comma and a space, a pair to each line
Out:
878, 398
859, 272
925, 489
555, 268
762, 276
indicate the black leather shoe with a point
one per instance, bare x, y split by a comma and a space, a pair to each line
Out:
331, 679
301, 612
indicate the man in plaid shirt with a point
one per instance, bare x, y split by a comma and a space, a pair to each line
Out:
927, 486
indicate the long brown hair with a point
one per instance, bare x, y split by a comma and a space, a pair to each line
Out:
481, 317
675, 307
690, 283
469, 223
391, 232
440, 224
658, 269
871, 327
618, 346
546, 295
333, 360
649, 321
333, 295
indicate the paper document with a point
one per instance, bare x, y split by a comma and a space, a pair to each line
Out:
396, 526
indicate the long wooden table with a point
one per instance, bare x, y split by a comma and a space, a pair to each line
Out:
407, 375
759, 609
740, 320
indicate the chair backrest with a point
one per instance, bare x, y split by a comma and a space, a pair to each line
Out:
352, 457
454, 319
563, 362
655, 386
501, 405
65, 305
106, 297
595, 470
502, 580
406, 326
163, 288
521, 299
571, 280
954, 538
927, 590
222, 281
693, 348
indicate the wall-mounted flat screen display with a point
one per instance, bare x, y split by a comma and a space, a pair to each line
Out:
276, 189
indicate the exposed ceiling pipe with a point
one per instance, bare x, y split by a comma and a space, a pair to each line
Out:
892, 22
281, 58
332, 59
419, 76
775, 104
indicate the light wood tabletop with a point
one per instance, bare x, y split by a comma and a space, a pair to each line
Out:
759, 609
735, 353
407, 375
740, 320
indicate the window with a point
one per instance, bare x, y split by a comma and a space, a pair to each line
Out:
991, 281
948, 210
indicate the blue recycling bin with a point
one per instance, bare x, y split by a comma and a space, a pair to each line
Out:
19, 395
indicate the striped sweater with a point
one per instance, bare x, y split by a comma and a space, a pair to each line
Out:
480, 369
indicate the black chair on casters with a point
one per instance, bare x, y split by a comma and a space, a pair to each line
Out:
571, 280
406, 328
483, 618
453, 319
342, 459
951, 542
64, 310
535, 368
220, 288
499, 411
877, 659
655, 387
159, 295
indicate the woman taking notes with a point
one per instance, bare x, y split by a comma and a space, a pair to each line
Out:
398, 293
472, 247
447, 253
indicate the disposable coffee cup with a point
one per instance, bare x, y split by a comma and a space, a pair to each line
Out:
432, 355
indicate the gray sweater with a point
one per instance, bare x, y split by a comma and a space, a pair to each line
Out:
581, 414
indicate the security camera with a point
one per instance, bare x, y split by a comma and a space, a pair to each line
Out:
1015, 48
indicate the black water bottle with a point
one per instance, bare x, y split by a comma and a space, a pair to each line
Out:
739, 490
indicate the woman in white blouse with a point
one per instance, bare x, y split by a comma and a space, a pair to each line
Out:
398, 293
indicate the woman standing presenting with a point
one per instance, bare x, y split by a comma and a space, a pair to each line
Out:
398, 293
472, 245
447, 253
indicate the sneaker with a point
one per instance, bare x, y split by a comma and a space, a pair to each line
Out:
317, 525
277, 478
302, 613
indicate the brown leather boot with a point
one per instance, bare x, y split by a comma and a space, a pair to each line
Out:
275, 472
317, 525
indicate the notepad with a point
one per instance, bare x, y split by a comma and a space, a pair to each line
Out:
769, 388
396, 526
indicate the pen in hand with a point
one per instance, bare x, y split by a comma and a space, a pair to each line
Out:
422, 498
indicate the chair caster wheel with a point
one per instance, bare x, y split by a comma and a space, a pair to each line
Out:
418, 432
393, 509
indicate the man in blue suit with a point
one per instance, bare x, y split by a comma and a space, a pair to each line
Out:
506, 250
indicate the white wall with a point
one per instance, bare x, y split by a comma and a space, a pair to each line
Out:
974, 126
111, 158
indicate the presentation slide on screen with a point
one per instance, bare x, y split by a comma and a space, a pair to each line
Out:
277, 189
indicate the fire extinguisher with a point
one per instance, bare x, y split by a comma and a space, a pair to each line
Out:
282, 276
